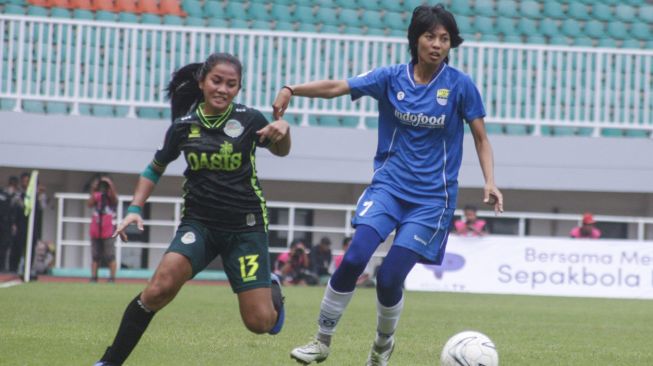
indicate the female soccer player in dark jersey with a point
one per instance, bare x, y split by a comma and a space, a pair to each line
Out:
422, 109
224, 210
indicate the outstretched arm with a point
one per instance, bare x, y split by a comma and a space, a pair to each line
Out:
313, 89
491, 194
144, 188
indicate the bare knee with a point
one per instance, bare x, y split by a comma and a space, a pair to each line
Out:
159, 293
259, 321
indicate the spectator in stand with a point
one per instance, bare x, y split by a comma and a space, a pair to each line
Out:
294, 266
587, 230
320, 259
104, 202
471, 225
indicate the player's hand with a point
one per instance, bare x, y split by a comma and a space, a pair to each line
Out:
280, 103
131, 218
492, 196
274, 132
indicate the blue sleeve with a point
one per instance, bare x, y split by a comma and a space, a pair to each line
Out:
471, 103
372, 83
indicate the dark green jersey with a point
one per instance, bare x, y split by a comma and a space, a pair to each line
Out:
221, 187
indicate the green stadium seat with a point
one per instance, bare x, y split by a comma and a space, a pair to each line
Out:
148, 18
38, 11
105, 16
571, 28
258, 12
507, 9
462, 7
211, 10
559, 40
234, 10
125, 17
304, 14
13, 9
281, 12
625, 13
641, 31
193, 8
307, 27
506, 26
239, 23
372, 19
602, 12
617, 30
60, 13
631, 43
485, 25
194, 22
216, 22
484, 8
349, 17
607, 42
261, 24
512, 38
326, 15
553, 9
536, 39
530, 9
594, 29
527, 27
284, 26
328, 28
549, 27
578, 11
394, 20
583, 41
646, 13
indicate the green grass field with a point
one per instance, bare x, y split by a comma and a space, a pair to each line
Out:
48, 324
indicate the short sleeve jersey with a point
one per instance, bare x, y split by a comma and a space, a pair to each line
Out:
221, 187
420, 133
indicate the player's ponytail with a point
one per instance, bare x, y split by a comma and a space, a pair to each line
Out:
183, 90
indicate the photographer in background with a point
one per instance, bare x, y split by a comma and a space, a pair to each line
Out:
296, 268
103, 202
471, 225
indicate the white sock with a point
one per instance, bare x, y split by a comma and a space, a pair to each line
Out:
331, 309
387, 319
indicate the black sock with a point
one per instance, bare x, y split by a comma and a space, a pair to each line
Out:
133, 325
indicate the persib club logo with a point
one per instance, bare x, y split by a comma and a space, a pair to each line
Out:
442, 96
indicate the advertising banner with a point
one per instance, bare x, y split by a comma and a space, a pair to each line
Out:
541, 266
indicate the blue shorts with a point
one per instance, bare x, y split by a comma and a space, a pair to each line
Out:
423, 229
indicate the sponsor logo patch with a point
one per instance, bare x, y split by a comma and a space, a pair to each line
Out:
194, 132
421, 119
442, 96
188, 238
401, 95
233, 128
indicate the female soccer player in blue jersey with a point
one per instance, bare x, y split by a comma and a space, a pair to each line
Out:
224, 209
422, 109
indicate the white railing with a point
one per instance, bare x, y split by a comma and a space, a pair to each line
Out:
75, 202
128, 65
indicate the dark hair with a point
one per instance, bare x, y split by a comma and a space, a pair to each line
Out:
25, 174
470, 208
184, 91
13, 180
424, 19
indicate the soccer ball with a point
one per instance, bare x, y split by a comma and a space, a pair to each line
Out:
469, 348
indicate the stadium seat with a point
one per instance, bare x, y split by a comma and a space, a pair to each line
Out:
328, 121
506, 26
517, 130
549, 27
536, 39
484, 8
465, 24
394, 20
602, 12
559, 40
307, 27
372, 19
172, 20
172, 7
234, 10
578, 11
488, 37
553, 9
625, 13
326, 15
261, 24
103, 5
366, 5
258, 12
105, 16
127, 6
646, 13
81, 4
393, 5
607, 42
128, 17
195, 21
612, 132
582, 41
284, 26
280, 12
58, 4
349, 17
328, 28
350, 122
641, 31
149, 18
239, 23
33, 106
56, 108
13, 9
374, 31
594, 29
485, 25
617, 30
60, 13
493, 129
42, 3
83, 14
530, 9
507, 9
462, 7
512, 38
148, 7
571, 28
38, 11
527, 27
7, 104
210, 10
631, 43
304, 14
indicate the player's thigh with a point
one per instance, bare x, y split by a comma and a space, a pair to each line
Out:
197, 243
379, 210
425, 230
256, 308
246, 261
171, 274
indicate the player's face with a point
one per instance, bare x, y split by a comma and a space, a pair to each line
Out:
220, 87
433, 46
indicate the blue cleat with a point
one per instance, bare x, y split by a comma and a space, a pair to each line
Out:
277, 300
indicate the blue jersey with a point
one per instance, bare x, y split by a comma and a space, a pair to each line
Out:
421, 130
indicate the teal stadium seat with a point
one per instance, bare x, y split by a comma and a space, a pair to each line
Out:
330, 29
212, 10
488, 37
284, 26
234, 10
536, 39
372, 31
258, 12
507, 9
328, 121
607, 42
646, 13
506, 26
530, 9
125, 17
13, 9
582, 41
559, 40
485, 25
366, 5
148, 18
571, 28
193, 8
631, 43
512, 38
7, 104
465, 24
149, 113
549, 27
484, 8
326, 15
307, 27
172, 20
527, 27
239, 23
349, 122
394, 5
602, 12
105, 16
261, 24
60, 13
578, 11
37, 11
304, 14
625, 13
372, 122
372, 19
349, 17
394, 20
462, 7
83, 14
553, 9
195, 22
617, 30
641, 31
217, 22
281, 13
594, 29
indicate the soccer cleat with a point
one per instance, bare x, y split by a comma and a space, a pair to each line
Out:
313, 351
380, 357
277, 300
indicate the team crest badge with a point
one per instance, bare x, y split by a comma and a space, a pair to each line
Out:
194, 131
188, 238
233, 128
251, 219
442, 96
401, 95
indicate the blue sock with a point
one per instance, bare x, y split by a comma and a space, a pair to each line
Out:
362, 246
392, 274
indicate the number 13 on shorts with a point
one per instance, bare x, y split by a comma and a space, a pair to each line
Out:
248, 267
